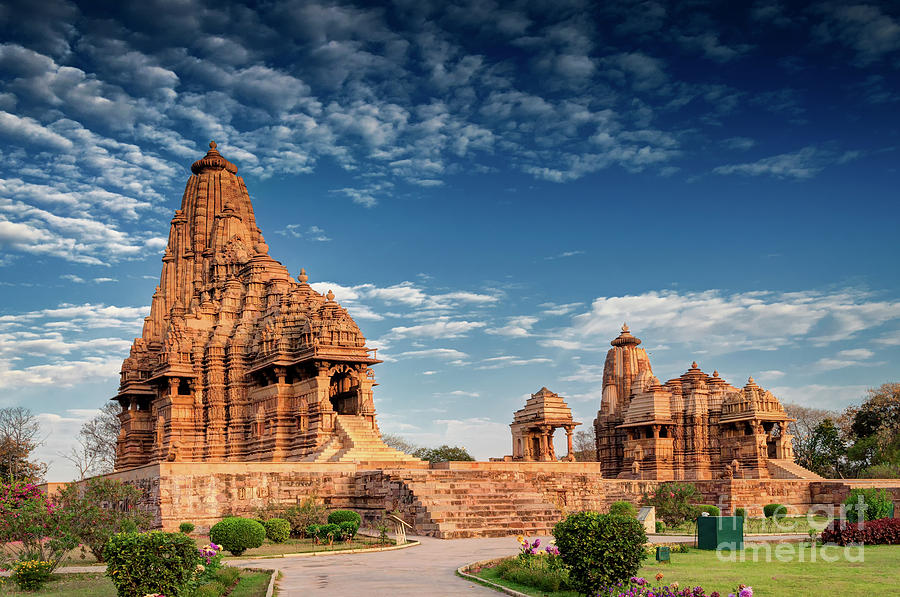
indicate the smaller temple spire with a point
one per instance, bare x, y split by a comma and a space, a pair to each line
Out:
330, 296
302, 278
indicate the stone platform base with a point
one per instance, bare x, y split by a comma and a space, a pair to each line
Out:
449, 500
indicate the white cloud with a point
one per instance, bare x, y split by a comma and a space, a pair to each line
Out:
725, 322
802, 164
516, 327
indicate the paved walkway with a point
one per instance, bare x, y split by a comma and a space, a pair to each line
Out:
426, 569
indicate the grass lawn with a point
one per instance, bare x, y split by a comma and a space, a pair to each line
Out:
253, 584
788, 524
857, 571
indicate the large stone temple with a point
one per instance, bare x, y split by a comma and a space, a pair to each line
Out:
696, 426
238, 361
248, 388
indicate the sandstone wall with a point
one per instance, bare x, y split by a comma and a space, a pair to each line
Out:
449, 500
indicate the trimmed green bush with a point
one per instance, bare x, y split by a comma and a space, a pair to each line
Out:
154, 562
740, 512
709, 509
186, 527
339, 516
327, 533
277, 530
348, 530
237, 535
872, 503
660, 526
623, 508
775, 511
600, 549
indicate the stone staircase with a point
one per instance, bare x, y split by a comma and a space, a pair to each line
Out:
453, 504
355, 440
788, 469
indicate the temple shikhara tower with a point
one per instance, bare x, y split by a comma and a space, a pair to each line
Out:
695, 426
238, 361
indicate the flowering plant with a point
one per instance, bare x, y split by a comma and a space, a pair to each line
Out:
31, 575
640, 587
32, 526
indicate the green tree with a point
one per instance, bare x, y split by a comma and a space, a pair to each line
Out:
99, 508
826, 452
443, 453
875, 429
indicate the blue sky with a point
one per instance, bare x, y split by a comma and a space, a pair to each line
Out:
490, 188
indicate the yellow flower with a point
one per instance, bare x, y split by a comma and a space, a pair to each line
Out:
520, 539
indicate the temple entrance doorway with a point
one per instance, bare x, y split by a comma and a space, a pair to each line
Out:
343, 394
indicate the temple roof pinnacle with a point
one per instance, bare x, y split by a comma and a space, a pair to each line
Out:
213, 160
694, 365
302, 278
330, 296
625, 338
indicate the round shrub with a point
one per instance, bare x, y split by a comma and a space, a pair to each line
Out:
30, 575
186, 527
710, 510
774, 511
327, 533
312, 531
660, 526
348, 530
600, 549
740, 512
172, 558
236, 534
277, 530
872, 503
623, 509
339, 516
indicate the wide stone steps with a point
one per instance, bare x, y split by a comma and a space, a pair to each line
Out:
361, 443
788, 469
457, 504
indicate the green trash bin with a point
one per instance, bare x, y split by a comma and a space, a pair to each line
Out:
720, 532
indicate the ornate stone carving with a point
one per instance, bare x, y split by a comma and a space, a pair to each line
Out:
233, 342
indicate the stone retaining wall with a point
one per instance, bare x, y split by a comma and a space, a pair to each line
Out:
203, 493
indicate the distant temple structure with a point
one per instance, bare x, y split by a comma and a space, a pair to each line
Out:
533, 426
238, 361
695, 426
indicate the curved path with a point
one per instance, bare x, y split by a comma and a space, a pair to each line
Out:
426, 569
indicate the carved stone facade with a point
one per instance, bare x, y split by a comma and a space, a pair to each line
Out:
695, 426
533, 427
238, 361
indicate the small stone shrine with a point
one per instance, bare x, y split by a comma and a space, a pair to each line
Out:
533, 427
238, 361
695, 426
